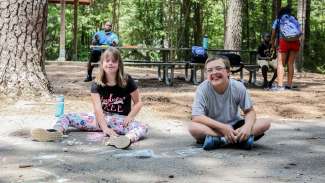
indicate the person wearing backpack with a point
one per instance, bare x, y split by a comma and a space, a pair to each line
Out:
286, 29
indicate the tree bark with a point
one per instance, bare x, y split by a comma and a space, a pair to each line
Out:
75, 29
289, 3
276, 5
301, 15
264, 19
307, 31
22, 35
115, 17
224, 9
234, 25
197, 26
183, 29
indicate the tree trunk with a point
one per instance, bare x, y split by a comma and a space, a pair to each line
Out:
197, 26
22, 35
184, 31
246, 30
234, 25
301, 15
224, 9
307, 31
276, 5
264, 19
75, 30
289, 3
115, 12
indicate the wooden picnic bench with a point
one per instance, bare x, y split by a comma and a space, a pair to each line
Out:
191, 70
166, 67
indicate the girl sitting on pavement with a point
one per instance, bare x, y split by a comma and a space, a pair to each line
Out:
111, 95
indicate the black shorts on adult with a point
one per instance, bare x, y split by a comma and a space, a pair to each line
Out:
95, 55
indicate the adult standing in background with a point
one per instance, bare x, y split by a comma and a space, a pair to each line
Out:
286, 29
103, 37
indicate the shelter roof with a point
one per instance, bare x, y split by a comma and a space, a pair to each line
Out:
81, 2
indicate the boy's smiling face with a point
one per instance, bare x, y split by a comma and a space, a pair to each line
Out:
217, 73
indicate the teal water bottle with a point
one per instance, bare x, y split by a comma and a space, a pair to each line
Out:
59, 106
205, 42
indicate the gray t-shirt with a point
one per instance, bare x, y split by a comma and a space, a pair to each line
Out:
221, 107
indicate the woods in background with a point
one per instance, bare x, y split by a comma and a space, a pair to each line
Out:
182, 23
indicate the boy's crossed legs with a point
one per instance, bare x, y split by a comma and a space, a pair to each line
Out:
200, 131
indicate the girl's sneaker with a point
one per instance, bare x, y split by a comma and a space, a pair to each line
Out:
120, 142
45, 135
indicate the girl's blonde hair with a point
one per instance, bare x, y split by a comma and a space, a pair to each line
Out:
121, 76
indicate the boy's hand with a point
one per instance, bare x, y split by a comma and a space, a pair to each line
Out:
229, 133
243, 133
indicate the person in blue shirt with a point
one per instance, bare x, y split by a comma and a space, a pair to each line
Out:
103, 37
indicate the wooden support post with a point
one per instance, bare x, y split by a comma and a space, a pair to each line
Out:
62, 33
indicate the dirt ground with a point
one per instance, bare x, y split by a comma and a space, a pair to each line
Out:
292, 151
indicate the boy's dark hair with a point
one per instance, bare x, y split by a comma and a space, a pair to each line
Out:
222, 58
283, 11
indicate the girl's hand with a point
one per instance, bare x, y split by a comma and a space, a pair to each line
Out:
110, 132
127, 120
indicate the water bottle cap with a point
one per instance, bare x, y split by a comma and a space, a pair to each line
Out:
60, 98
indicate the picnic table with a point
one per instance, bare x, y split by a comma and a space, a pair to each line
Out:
166, 65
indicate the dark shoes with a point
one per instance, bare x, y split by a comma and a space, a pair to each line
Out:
215, 142
248, 144
88, 78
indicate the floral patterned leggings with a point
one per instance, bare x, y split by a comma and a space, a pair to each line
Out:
87, 122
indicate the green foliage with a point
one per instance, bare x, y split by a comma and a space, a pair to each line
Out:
154, 23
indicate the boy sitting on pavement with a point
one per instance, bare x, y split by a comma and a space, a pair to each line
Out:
216, 119
267, 60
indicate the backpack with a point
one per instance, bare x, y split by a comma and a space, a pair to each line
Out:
199, 54
289, 27
234, 59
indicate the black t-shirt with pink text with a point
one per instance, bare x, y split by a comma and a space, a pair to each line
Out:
115, 99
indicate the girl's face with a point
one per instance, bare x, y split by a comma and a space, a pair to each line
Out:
110, 65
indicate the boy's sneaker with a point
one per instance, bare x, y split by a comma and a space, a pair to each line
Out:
290, 87
214, 142
120, 142
45, 135
247, 144
278, 89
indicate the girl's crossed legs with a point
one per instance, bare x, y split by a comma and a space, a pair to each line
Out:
87, 122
